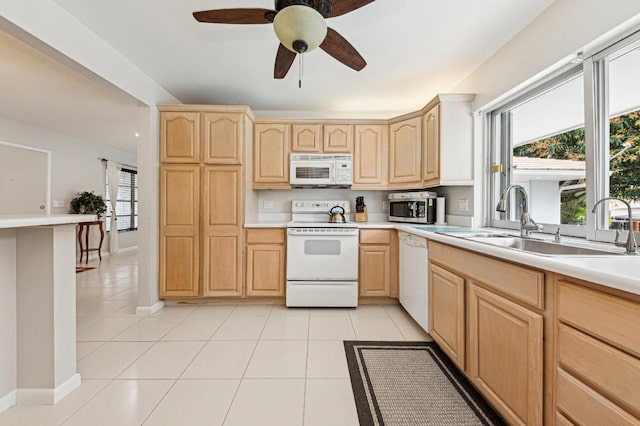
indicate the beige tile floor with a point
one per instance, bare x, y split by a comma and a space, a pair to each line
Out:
209, 364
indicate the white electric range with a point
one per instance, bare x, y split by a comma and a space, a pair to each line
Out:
322, 257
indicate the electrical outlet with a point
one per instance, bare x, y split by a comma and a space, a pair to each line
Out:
267, 204
463, 205
58, 204
385, 206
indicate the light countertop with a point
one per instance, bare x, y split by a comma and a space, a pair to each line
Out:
617, 271
620, 272
24, 220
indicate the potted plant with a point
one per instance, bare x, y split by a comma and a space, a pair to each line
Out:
88, 203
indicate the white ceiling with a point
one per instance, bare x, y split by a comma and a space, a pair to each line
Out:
41, 91
414, 49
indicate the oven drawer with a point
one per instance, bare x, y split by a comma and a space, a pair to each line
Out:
322, 293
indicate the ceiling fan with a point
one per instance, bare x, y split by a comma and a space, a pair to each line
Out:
300, 26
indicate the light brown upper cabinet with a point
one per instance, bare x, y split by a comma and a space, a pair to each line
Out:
431, 146
306, 138
222, 136
405, 153
180, 137
179, 230
447, 139
338, 138
271, 156
370, 156
322, 138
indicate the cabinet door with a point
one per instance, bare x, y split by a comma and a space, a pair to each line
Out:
306, 138
266, 270
222, 230
338, 138
179, 230
271, 156
505, 353
179, 137
375, 270
223, 138
431, 147
405, 152
370, 162
446, 312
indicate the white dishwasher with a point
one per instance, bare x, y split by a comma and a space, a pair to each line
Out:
414, 277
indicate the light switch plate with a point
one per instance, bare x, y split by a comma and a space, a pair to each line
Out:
267, 204
463, 205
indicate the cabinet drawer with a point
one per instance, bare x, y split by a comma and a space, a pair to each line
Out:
265, 236
583, 405
606, 369
523, 284
613, 319
376, 236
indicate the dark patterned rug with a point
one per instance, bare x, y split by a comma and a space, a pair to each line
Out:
412, 383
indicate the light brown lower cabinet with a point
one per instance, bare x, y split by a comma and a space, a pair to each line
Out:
265, 268
179, 252
542, 348
477, 318
598, 355
222, 215
446, 312
378, 263
505, 355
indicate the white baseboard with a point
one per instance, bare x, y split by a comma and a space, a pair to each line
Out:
149, 310
127, 249
47, 396
8, 401
66, 388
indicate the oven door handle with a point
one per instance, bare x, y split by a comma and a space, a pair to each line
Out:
317, 234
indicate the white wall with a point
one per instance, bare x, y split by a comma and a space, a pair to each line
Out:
75, 166
8, 313
565, 27
282, 201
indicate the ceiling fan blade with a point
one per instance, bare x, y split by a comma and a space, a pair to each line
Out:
235, 16
336, 46
340, 7
284, 60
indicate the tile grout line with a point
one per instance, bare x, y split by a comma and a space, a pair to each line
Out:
109, 381
159, 401
235, 394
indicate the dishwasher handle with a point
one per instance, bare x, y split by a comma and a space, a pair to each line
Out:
412, 241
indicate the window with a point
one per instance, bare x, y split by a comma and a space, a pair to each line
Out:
541, 147
623, 165
127, 205
543, 140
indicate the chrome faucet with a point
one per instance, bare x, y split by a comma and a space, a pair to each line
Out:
631, 247
527, 224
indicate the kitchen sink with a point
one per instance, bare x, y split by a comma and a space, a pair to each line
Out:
545, 248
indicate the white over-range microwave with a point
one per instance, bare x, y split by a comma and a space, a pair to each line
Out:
321, 170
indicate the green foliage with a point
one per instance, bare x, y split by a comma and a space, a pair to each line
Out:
624, 181
88, 203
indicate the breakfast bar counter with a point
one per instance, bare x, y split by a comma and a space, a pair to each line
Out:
38, 308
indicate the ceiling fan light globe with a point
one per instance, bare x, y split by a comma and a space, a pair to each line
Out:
300, 23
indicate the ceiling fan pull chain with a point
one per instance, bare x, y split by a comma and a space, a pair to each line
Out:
300, 71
